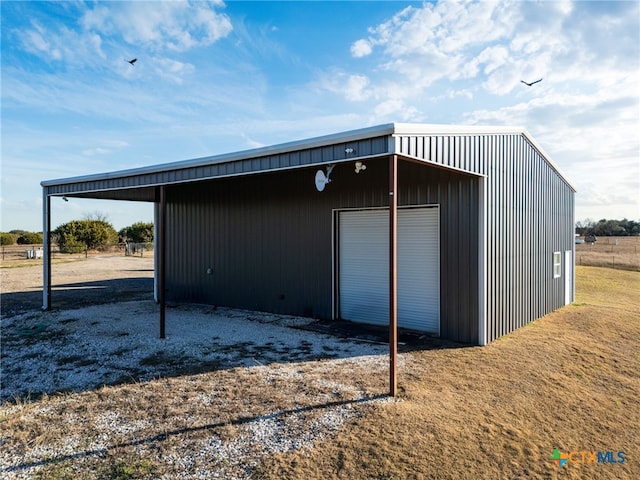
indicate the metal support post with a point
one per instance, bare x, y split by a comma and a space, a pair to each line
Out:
46, 240
162, 257
393, 275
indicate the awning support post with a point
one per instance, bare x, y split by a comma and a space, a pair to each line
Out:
162, 256
393, 274
46, 244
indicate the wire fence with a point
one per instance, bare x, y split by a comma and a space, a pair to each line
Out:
16, 253
621, 253
138, 249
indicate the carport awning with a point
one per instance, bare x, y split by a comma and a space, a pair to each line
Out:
457, 148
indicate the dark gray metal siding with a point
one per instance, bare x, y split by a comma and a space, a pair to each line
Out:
462, 152
268, 238
256, 220
216, 167
530, 215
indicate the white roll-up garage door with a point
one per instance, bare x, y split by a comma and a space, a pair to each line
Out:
363, 263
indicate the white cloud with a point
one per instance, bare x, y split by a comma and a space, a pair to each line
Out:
34, 42
251, 143
592, 137
96, 151
428, 60
497, 42
394, 109
61, 45
361, 48
106, 148
492, 58
388, 107
354, 88
176, 26
113, 31
172, 70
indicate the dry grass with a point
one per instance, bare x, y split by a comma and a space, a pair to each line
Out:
569, 381
17, 262
186, 427
621, 253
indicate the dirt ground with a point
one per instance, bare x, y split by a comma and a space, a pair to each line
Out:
568, 382
93, 392
76, 281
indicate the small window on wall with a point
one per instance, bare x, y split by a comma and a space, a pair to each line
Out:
557, 264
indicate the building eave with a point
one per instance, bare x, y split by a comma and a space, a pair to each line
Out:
390, 129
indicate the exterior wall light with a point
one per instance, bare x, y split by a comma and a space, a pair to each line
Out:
360, 166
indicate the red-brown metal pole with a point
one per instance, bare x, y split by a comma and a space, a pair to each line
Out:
162, 257
46, 239
393, 275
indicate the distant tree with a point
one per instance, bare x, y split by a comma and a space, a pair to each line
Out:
29, 238
69, 243
75, 236
631, 227
608, 228
97, 216
584, 226
7, 238
139, 232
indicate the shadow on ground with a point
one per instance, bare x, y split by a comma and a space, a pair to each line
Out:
45, 339
408, 340
76, 295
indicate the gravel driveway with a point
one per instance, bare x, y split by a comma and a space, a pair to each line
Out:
88, 351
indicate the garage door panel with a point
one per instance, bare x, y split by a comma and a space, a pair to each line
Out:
363, 249
364, 267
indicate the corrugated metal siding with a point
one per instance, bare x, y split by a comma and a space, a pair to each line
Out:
461, 152
268, 238
529, 216
174, 175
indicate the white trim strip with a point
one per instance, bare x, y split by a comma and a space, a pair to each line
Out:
482, 262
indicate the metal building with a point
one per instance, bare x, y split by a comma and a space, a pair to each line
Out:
462, 232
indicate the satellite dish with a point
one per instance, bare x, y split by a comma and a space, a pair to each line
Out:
322, 179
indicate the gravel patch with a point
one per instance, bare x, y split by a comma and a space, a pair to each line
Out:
81, 351
76, 350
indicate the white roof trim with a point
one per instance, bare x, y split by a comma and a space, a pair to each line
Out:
427, 129
393, 129
343, 137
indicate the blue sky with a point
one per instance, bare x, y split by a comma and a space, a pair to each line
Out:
215, 77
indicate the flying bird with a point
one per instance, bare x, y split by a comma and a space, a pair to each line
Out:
529, 84
132, 61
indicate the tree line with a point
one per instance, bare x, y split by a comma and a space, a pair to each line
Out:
79, 235
608, 228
